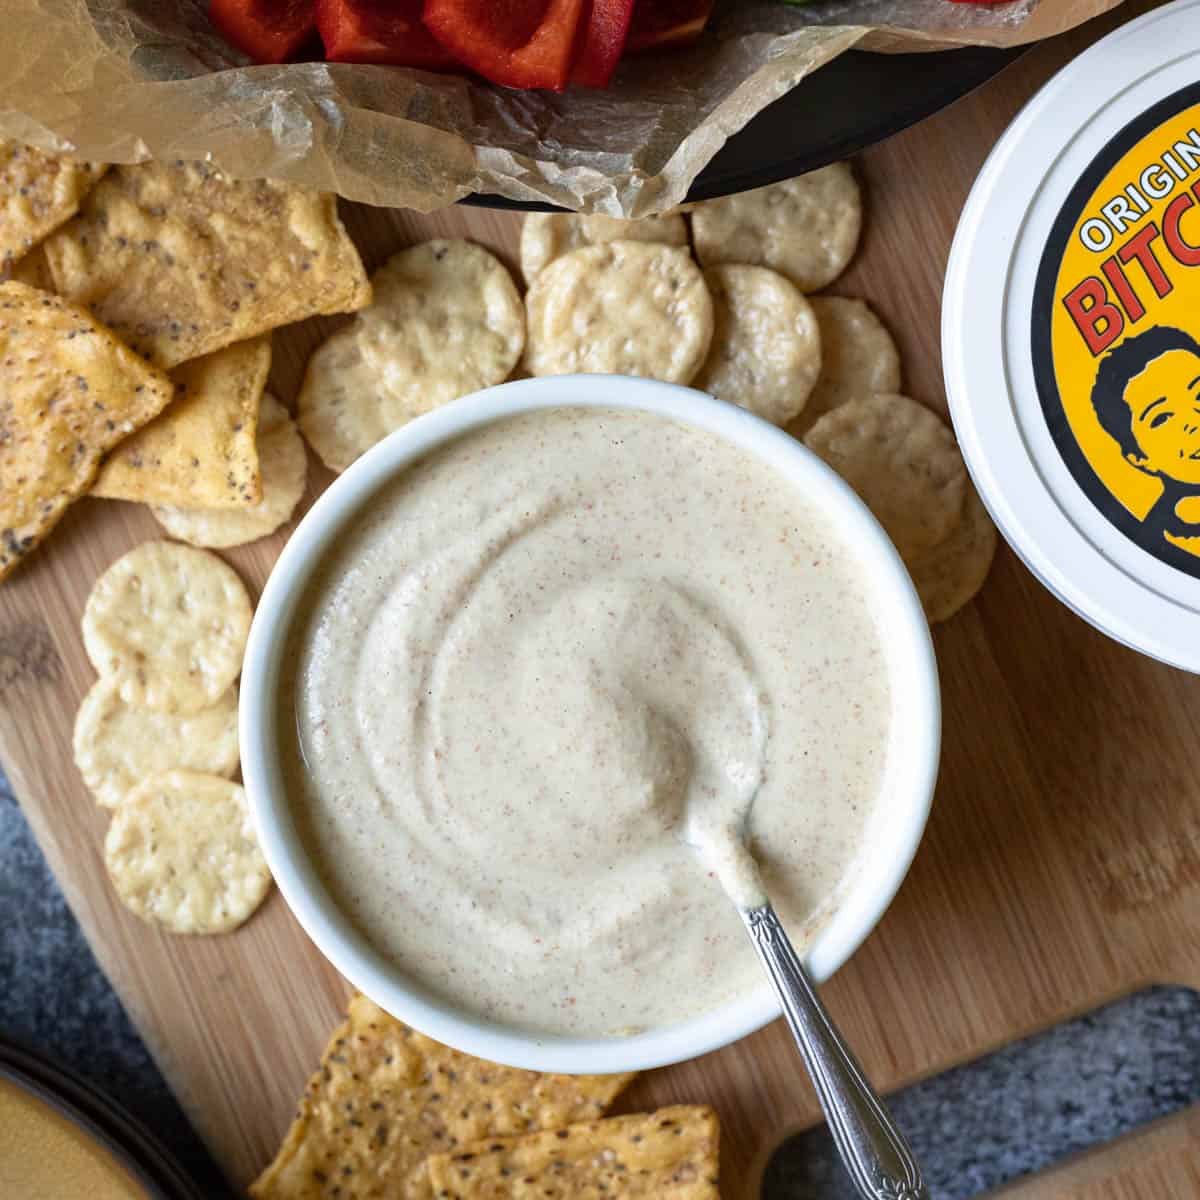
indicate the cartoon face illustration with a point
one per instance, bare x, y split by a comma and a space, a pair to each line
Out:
1147, 397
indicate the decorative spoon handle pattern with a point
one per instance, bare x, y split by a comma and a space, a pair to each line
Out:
873, 1150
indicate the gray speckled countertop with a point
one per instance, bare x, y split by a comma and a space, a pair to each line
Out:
974, 1128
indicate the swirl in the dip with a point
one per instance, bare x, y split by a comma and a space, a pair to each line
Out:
539, 663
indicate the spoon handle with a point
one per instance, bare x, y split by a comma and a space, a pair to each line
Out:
872, 1149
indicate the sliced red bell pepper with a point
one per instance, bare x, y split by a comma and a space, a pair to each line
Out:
604, 31
269, 31
516, 43
660, 24
379, 31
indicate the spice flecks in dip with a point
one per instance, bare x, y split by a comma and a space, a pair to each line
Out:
541, 660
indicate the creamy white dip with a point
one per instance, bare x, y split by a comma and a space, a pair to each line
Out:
534, 668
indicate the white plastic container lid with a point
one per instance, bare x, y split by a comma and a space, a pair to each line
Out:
1071, 334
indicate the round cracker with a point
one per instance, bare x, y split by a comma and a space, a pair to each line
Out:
283, 467
624, 308
805, 228
902, 459
949, 575
117, 746
904, 463
341, 410
766, 349
858, 358
446, 320
181, 852
547, 236
168, 623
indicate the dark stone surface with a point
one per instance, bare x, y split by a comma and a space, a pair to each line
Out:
1028, 1105
974, 1128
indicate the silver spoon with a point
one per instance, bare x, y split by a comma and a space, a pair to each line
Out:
873, 1150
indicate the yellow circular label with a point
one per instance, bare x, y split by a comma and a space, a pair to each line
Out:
1116, 331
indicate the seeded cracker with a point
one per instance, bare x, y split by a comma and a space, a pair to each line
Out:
949, 575
672, 1153
766, 351
284, 468
446, 320
69, 391
181, 852
38, 192
117, 746
624, 308
858, 358
385, 1097
547, 236
805, 228
33, 269
182, 261
903, 461
201, 450
341, 409
169, 624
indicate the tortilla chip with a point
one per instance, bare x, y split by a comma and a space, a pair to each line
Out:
31, 269
672, 1153
181, 261
385, 1097
69, 391
202, 451
283, 465
38, 192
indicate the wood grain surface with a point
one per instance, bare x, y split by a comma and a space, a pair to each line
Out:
1061, 866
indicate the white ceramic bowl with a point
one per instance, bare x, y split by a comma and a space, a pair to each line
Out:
896, 830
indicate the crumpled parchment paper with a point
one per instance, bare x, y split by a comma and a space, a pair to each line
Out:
126, 80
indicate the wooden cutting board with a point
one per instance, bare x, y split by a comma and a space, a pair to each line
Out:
1061, 865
